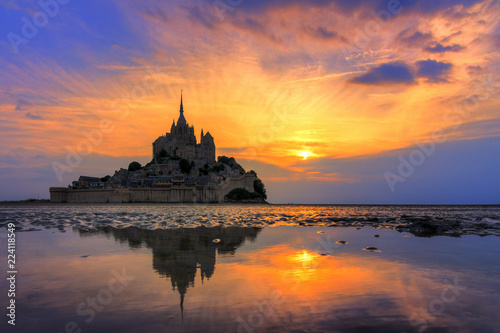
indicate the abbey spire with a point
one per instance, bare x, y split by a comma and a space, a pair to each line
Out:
181, 120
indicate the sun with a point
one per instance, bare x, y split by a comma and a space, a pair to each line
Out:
305, 154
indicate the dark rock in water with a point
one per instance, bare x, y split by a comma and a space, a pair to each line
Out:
85, 256
376, 236
358, 228
371, 249
343, 242
423, 227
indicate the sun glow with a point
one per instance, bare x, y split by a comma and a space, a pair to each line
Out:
305, 154
304, 265
305, 258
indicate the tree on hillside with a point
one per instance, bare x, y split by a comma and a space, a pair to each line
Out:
153, 161
259, 187
241, 194
163, 153
105, 178
231, 162
185, 166
134, 166
219, 167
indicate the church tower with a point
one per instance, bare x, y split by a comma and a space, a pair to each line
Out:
181, 142
182, 132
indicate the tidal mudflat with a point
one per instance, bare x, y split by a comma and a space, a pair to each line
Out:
256, 268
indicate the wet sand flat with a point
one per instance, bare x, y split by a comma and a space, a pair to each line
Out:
229, 268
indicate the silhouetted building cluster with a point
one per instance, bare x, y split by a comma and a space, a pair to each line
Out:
181, 141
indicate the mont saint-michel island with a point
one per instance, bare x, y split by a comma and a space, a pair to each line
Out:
182, 170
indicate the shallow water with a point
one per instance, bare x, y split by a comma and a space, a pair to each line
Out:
110, 269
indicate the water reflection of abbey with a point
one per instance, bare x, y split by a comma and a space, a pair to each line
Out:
178, 253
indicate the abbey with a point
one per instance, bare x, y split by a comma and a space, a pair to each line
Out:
182, 170
181, 142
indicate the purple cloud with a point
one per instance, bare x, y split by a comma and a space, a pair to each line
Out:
33, 116
257, 28
438, 48
22, 104
434, 71
322, 33
474, 70
202, 16
157, 14
417, 39
391, 73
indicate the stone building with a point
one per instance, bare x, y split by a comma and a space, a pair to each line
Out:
181, 141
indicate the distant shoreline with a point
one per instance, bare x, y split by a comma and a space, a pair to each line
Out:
47, 201
27, 201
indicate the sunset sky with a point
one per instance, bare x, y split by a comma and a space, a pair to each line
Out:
329, 101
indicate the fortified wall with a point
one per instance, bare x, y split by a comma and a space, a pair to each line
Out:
181, 194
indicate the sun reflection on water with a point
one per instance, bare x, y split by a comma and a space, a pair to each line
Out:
304, 265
